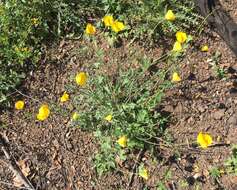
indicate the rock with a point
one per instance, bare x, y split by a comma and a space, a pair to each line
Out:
232, 120
218, 114
221, 106
234, 67
179, 108
168, 108
231, 70
197, 175
233, 91
201, 108
190, 120
56, 144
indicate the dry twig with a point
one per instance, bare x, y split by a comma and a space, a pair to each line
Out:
11, 162
139, 156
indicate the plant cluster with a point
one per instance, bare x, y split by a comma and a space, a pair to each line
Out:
120, 108
24, 25
231, 163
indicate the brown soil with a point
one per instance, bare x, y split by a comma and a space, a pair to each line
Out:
60, 157
231, 7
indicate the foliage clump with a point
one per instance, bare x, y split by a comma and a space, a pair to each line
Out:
24, 25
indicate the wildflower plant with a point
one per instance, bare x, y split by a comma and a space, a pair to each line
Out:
114, 27
204, 48
176, 77
26, 24
143, 172
17, 39
43, 112
153, 19
19, 105
64, 97
170, 16
90, 29
121, 110
204, 140
231, 163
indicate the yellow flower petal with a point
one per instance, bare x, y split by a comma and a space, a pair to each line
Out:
64, 97
204, 48
25, 49
204, 140
81, 78
40, 117
176, 77
19, 105
108, 20
35, 21
90, 29
177, 46
117, 26
109, 118
170, 16
75, 116
43, 112
143, 172
122, 141
181, 37
222, 171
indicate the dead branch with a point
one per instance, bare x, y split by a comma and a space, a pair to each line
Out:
11, 162
139, 156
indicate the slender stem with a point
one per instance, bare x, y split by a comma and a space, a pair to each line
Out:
26, 95
12, 185
11, 162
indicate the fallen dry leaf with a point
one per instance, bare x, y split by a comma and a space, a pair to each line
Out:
72, 172
56, 163
25, 170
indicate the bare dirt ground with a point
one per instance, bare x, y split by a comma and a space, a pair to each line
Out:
60, 157
231, 7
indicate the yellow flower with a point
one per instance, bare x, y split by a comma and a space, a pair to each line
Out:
43, 112
177, 46
109, 118
35, 21
117, 26
25, 49
64, 97
17, 49
176, 77
181, 37
75, 116
108, 20
19, 105
143, 172
222, 171
204, 140
90, 29
204, 48
81, 78
170, 16
122, 141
